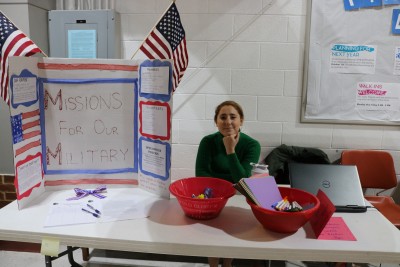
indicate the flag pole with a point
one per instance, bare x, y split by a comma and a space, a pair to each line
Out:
25, 34
137, 50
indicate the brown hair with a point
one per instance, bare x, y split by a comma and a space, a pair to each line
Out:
229, 103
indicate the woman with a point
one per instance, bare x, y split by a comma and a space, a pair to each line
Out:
227, 154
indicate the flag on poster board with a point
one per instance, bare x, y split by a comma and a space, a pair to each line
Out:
167, 41
25, 131
13, 42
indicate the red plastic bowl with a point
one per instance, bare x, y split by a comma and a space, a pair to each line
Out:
202, 209
283, 221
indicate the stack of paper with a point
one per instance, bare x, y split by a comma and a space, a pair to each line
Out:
263, 191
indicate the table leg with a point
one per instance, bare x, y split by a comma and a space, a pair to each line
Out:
70, 252
48, 260
71, 257
85, 254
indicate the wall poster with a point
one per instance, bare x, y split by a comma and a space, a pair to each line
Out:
352, 69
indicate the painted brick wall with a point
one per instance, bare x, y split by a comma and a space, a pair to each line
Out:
7, 190
250, 51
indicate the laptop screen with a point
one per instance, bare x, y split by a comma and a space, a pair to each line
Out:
340, 183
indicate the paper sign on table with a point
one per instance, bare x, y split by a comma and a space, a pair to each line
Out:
327, 227
323, 214
336, 229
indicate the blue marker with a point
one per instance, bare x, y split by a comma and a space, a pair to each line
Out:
208, 192
94, 214
93, 208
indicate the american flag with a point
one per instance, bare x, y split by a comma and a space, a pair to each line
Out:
167, 41
25, 131
13, 42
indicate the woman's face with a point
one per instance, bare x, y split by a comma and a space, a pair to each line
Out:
228, 121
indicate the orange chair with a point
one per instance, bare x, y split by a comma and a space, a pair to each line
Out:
376, 171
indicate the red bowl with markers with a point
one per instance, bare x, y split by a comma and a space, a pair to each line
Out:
284, 221
202, 209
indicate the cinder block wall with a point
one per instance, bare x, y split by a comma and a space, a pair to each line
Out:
250, 51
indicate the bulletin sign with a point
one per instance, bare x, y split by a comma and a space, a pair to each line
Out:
352, 62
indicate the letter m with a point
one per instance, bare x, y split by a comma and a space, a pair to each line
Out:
58, 99
55, 155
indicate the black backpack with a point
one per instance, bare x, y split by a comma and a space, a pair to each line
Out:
280, 156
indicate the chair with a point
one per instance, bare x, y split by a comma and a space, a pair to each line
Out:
376, 170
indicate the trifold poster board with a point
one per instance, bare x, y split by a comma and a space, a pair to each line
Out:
87, 122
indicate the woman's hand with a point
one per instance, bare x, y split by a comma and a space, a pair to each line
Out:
230, 143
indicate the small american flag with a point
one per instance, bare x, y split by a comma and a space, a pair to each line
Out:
13, 42
167, 41
25, 131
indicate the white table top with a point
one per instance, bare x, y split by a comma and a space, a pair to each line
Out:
235, 233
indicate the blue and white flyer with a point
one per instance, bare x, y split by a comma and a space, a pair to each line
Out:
352, 58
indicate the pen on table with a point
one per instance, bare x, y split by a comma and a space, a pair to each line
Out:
94, 214
93, 208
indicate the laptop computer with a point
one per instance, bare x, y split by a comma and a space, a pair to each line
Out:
340, 183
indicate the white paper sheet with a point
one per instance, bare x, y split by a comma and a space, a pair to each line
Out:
126, 208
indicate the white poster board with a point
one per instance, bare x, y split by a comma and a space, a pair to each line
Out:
76, 122
352, 63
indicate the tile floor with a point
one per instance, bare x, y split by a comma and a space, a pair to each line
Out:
102, 258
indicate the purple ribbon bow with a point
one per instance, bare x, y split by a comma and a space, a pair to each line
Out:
80, 193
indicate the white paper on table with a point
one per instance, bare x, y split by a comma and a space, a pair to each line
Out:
126, 208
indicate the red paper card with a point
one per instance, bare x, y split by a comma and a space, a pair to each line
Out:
323, 214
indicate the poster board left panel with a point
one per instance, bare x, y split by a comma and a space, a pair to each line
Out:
26, 129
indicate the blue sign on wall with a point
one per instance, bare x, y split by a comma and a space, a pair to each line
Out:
351, 4
370, 3
391, 2
396, 21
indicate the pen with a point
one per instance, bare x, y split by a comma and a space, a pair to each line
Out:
94, 214
93, 208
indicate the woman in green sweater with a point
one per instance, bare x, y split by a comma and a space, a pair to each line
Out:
227, 154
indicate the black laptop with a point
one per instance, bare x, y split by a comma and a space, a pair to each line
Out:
340, 183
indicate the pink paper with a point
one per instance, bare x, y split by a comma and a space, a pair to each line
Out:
336, 229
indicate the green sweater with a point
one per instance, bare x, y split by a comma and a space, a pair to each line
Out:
212, 160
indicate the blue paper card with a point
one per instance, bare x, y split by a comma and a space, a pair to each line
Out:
351, 4
396, 21
370, 3
391, 2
